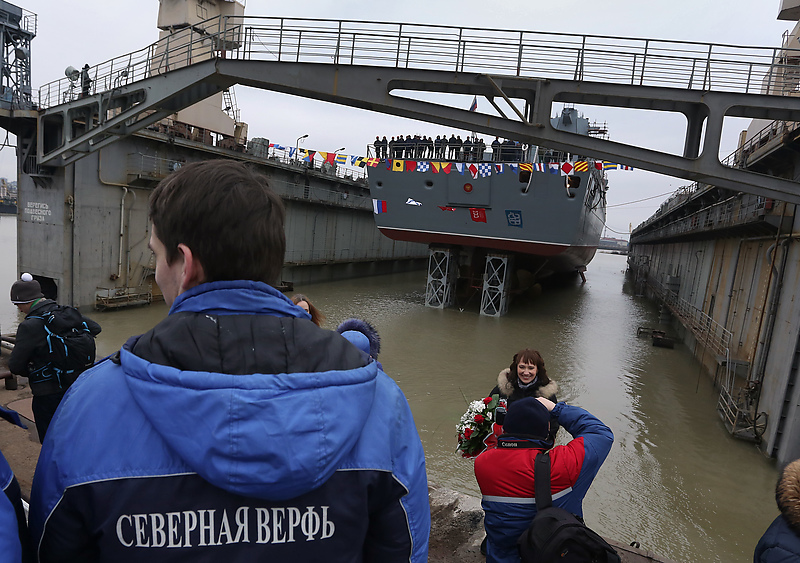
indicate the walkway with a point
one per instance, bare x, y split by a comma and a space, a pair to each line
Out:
369, 65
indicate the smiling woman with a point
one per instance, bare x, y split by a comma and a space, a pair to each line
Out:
526, 377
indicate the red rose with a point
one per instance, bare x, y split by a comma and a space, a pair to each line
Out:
467, 433
487, 400
479, 418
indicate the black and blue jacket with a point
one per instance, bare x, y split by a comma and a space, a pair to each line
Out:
235, 430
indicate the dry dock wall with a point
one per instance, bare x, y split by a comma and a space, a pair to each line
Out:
734, 300
83, 229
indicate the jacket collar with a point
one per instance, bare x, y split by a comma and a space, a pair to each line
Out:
236, 297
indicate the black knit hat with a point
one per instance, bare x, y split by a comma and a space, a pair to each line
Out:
527, 418
25, 290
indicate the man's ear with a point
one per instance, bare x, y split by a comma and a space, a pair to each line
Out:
193, 273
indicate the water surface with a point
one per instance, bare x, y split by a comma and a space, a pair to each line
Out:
675, 481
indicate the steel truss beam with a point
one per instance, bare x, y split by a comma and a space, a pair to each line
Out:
372, 88
108, 116
442, 269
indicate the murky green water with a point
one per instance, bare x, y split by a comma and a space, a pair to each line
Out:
675, 481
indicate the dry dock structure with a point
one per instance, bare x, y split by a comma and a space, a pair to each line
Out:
725, 266
83, 227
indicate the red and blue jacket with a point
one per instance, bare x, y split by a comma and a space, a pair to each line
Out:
505, 477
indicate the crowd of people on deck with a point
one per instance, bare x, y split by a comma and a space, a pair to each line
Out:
239, 428
470, 149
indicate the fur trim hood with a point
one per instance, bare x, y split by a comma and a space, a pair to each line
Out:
787, 494
367, 329
507, 388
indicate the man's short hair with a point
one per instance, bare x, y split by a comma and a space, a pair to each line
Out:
227, 215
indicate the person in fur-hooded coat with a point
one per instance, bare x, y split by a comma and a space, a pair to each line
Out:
526, 377
363, 335
781, 542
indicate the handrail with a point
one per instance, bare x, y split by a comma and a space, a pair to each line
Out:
596, 58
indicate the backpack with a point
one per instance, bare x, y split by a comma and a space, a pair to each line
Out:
556, 534
70, 344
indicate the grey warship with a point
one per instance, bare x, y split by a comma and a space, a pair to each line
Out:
488, 221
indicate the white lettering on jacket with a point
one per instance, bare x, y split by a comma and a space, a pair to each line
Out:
207, 528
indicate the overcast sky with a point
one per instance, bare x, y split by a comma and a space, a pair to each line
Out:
93, 31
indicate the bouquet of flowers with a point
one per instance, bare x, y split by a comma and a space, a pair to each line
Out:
476, 424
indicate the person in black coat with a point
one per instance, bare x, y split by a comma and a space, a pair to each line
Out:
453, 146
496, 150
467, 149
781, 542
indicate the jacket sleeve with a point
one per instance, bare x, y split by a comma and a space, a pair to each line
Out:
14, 539
29, 336
590, 435
10, 545
56, 523
401, 525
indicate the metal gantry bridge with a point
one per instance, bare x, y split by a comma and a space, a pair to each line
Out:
370, 65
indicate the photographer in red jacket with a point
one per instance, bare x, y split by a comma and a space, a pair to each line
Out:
505, 470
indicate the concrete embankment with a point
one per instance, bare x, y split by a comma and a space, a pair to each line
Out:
456, 519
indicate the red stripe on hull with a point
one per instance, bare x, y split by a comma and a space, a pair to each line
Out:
519, 246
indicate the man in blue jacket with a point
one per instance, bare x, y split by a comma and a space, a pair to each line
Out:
236, 429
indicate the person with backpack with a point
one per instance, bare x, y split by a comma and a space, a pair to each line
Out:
54, 345
505, 470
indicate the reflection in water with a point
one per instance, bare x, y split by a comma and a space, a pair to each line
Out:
675, 480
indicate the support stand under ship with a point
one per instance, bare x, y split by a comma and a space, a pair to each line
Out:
496, 226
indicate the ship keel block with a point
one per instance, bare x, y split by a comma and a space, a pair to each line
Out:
442, 276
496, 281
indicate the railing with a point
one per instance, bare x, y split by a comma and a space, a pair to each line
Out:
340, 198
30, 22
339, 171
609, 59
149, 166
706, 330
734, 211
759, 140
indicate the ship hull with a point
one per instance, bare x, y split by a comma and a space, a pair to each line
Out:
8, 207
529, 215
